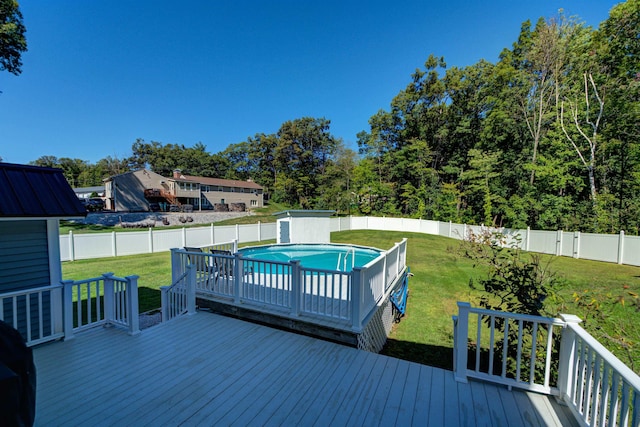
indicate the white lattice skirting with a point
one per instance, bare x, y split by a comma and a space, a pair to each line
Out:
375, 333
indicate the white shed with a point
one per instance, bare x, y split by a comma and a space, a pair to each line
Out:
304, 226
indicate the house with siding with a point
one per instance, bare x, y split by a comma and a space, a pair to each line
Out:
138, 190
32, 202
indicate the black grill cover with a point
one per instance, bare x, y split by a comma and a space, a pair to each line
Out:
17, 379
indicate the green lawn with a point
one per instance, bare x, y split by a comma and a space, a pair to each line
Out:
441, 279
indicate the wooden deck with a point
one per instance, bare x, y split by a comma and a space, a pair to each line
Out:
208, 369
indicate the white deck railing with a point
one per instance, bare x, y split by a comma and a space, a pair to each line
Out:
180, 297
598, 388
33, 314
105, 300
287, 288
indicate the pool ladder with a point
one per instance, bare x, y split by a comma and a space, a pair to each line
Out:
346, 255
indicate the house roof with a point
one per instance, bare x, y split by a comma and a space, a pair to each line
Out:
32, 191
219, 182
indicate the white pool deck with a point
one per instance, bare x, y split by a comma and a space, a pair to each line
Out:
208, 369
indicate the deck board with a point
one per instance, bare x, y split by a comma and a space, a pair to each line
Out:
207, 369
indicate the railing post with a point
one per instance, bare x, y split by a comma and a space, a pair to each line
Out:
67, 292
296, 287
176, 265
164, 303
357, 285
237, 275
567, 356
109, 308
132, 305
191, 289
460, 345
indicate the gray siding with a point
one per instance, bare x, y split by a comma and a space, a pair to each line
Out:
24, 255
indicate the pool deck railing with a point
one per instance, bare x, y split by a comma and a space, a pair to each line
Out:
342, 300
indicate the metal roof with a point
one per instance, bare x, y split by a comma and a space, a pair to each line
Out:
34, 192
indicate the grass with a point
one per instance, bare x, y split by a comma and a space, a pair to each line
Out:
441, 277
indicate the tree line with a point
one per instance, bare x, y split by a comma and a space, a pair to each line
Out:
547, 137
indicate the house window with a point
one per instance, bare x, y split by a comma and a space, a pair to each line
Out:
254, 203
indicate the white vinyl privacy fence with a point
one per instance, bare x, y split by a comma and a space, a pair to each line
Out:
617, 248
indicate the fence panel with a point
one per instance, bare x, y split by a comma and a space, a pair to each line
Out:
430, 227
97, 245
167, 239
225, 233
543, 241
249, 233
198, 236
599, 247
65, 253
134, 242
631, 254
268, 231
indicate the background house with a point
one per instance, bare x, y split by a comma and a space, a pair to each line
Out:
144, 190
32, 201
86, 192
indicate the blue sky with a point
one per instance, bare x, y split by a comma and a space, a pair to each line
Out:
100, 74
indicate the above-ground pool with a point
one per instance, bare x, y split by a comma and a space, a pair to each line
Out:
319, 256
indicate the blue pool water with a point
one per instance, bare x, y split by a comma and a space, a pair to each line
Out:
320, 256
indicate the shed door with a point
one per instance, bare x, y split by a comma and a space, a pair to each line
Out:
284, 232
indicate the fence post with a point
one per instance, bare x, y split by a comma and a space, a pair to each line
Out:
357, 285
450, 228
67, 292
133, 318
259, 231
621, 247
576, 244
184, 236
150, 240
235, 246
109, 308
213, 240
460, 345
237, 231
191, 289
528, 245
567, 356
72, 246
558, 242
114, 244
296, 286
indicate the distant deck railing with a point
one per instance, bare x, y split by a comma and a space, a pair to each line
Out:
552, 356
345, 299
104, 300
